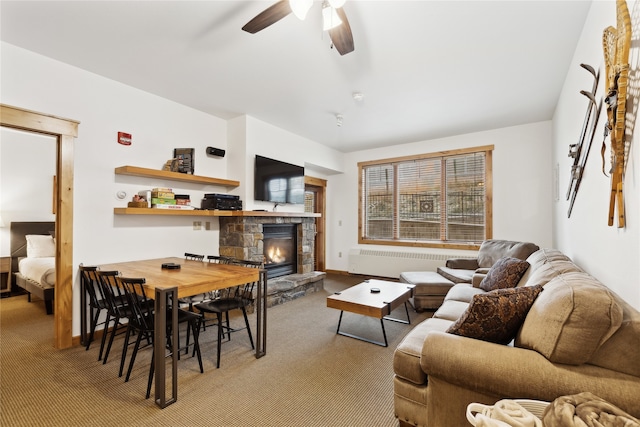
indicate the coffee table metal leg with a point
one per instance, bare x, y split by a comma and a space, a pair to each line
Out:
384, 333
393, 319
339, 322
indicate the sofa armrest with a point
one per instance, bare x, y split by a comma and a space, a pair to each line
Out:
513, 372
462, 263
477, 279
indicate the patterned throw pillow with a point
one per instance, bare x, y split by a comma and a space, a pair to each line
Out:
505, 273
497, 315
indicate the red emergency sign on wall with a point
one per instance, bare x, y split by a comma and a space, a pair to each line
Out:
124, 138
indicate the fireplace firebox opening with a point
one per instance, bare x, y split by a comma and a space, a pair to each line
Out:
280, 248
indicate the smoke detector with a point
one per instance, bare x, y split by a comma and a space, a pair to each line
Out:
358, 96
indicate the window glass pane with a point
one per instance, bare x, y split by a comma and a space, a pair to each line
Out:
465, 192
419, 199
378, 201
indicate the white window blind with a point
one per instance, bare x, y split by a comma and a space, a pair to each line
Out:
430, 198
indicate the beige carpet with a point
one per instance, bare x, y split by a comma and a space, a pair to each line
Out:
309, 377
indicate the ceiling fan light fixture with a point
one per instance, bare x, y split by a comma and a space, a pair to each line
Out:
330, 18
336, 4
300, 8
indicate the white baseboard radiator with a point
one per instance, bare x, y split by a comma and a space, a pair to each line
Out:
390, 263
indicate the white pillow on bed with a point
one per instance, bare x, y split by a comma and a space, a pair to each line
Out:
40, 246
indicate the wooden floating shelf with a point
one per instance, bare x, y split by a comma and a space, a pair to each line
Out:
174, 176
198, 212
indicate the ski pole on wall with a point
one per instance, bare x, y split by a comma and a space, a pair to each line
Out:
577, 174
576, 150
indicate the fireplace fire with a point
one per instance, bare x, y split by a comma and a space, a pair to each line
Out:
280, 249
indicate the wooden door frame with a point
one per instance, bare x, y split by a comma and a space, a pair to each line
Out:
319, 187
65, 131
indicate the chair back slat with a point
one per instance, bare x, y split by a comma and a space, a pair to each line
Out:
244, 292
139, 304
90, 283
113, 293
217, 259
193, 257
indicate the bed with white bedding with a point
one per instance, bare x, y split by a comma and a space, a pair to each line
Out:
33, 259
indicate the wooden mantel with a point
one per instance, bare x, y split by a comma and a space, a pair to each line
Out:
199, 212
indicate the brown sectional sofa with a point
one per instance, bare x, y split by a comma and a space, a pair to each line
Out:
577, 336
432, 287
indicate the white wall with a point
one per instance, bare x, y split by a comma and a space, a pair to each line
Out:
522, 186
609, 253
27, 167
250, 136
103, 108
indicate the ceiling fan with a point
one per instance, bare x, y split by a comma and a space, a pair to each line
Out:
334, 20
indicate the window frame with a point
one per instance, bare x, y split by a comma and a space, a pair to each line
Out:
442, 244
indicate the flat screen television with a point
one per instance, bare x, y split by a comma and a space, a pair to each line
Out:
278, 182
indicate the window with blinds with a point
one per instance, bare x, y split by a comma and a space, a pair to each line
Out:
438, 198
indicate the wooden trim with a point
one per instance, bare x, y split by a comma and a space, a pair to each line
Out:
216, 213
488, 180
20, 118
415, 244
319, 188
174, 176
55, 195
65, 131
339, 272
315, 182
446, 153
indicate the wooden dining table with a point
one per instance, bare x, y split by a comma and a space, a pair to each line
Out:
165, 286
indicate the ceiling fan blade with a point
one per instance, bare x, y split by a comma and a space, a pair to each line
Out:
341, 36
269, 16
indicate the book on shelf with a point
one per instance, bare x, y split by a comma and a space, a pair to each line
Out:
173, 207
163, 189
162, 195
162, 201
183, 199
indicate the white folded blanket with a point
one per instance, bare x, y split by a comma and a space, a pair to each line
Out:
505, 413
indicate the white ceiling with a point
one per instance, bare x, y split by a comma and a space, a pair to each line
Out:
427, 69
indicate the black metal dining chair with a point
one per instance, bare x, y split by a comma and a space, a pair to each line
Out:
190, 300
142, 319
97, 305
117, 308
228, 299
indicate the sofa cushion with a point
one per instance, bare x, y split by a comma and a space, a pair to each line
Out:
496, 316
542, 274
426, 282
505, 273
456, 275
571, 319
406, 358
463, 292
451, 310
621, 352
546, 255
492, 250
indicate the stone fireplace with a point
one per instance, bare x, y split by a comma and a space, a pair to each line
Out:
290, 275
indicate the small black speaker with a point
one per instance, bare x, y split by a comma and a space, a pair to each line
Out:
215, 151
